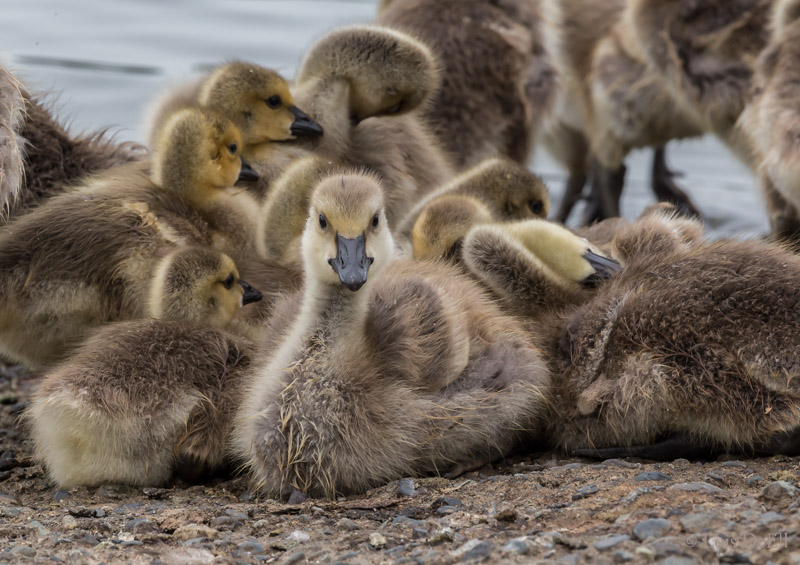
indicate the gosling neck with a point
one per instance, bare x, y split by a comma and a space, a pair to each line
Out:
333, 308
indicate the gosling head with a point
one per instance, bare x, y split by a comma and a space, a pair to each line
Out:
442, 225
510, 189
258, 101
200, 286
197, 154
389, 72
346, 233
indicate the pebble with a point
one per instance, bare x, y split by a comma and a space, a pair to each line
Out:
192, 531
506, 514
778, 491
445, 510
134, 542
81, 512
99, 513
652, 528
447, 501
250, 546
445, 534
636, 493
60, 495
567, 467
130, 508
377, 541
140, 526
517, 545
610, 541
754, 480
236, 514
702, 522
696, 487
419, 533
405, 487
23, 550
347, 524
406, 521
770, 517
652, 476
620, 463
585, 492
299, 536
69, 523
733, 464
473, 550
623, 556
88, 539
295, 558
676, 560
570, 559
226, 522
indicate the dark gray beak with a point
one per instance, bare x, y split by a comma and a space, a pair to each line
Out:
247, 172
604, 268
303, 125
250, 294
351, 261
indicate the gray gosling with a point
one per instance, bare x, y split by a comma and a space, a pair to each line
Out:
389, 368
84, 258
499, 82
689, 350
139, 398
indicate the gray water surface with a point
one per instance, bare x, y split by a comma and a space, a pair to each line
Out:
105, 61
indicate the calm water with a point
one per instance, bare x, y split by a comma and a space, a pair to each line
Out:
106, 60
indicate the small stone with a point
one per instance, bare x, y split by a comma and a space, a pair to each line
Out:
506, 514
347, 524
445, 510
677, 560
734, 464
130, 508
652, 476
294, 558
716, 477
60, 495
620, 463
779, 491
419, 533
754, 480
585, 492
696, 487
406, 521
376, 540
473, 550
298, 536
623, 556
87, 539
445, 534
610, 541
250, 546
770, 517
447, 501
134, 542
140, 526
99, 513
236, 514
569, 541
405, 487
23, 550
702, 522
652, 528
567, 467
517, 545
296, 497
69, 523
636, 493
226, 522
569, 559
192, 531
81, 512
663, 548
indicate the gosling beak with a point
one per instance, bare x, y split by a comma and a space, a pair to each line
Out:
351, 261
303, 124
250, 294
604, 269
247, 172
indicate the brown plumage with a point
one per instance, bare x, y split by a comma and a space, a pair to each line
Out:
370, 109
140, 397
39, 157
692, 341
498, 80
612, 103
84, 258
417, 371
771, 121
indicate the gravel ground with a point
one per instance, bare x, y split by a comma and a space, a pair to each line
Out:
535, 508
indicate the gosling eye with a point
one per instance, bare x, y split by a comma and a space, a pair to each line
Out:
228, 282
232, 148
536, 206
274, 101
375, 221
323, 222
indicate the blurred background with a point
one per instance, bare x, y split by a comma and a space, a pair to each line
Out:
104, 61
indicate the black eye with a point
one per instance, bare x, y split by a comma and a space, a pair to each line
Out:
537, 207
323, 223
228, 283
274, 101
233, 148
375, 221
